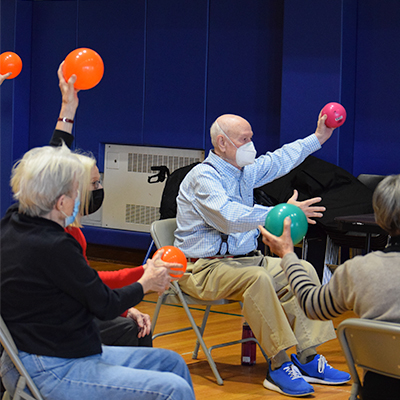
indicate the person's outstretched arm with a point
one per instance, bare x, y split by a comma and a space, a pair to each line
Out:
318, 302
69, 105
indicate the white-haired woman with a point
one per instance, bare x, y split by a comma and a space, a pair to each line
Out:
49, 296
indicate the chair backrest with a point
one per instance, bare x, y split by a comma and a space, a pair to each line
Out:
9, 346
371, 345
370, 180
171, 190
162, 232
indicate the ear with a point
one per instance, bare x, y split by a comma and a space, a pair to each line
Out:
60, 203
221, 142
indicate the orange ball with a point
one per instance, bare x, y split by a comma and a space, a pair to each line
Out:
10, 62
87, 65
174, 255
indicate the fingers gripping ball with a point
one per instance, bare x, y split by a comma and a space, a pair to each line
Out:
87, 65
174, 255
275, 218
336, 115
10, 62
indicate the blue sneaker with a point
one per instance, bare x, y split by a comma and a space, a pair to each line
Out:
287, 380
319, 371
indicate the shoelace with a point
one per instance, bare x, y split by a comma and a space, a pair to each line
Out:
322, 363
293, 371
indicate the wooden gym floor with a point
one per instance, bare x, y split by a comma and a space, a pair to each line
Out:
224, 324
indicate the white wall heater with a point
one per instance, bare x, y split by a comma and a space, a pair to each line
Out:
130, 202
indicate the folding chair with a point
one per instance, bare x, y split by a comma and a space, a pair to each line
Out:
162, 232
371, 345
24, 380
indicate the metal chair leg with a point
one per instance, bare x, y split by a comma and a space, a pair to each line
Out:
200, 339
157, 310
202, 328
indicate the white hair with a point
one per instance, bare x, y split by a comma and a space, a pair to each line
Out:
215, 130
42, 176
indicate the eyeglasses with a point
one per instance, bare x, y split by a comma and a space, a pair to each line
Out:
96, 185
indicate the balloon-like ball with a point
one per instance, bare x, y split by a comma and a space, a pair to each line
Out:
174, 255
87, 65
10, 62
336, 115
275, 218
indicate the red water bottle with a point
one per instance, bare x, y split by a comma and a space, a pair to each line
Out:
248, 348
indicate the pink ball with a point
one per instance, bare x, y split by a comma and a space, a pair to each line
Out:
336, 115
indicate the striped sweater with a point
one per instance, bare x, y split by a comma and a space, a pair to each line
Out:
369, 285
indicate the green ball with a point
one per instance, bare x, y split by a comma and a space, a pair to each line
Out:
275, 218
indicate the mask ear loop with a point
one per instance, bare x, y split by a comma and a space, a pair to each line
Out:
216, 122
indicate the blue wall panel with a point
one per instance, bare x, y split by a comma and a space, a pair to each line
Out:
14, 120
311, 68
348, 68
53, 37
112, 112
7, 43
23, 48
244, 64
377, 138
175, 71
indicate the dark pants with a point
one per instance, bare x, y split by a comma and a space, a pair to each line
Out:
122, 332
378, 387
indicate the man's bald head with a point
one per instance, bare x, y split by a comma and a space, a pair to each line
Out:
230, 124
228, 133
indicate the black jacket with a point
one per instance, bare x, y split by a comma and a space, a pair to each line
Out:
49, 294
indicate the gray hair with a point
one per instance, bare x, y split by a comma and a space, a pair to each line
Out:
42, 176
386, 203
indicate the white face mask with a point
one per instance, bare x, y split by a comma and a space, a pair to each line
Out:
246, 154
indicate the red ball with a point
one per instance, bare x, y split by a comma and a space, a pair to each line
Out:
10, 62
174, 255
87, 65
336, 115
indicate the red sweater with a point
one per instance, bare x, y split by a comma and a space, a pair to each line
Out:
113, 279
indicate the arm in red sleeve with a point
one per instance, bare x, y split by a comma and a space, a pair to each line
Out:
120, 278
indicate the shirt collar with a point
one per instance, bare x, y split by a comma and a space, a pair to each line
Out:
222, 166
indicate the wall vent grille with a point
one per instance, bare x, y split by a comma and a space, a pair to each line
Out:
132, 200
142, 215
142, 163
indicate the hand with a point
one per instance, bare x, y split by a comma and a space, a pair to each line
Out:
158, 262
68, 92
142, 320
279, 245
154, 278
323, 133
70, 100
4, 77
307, 206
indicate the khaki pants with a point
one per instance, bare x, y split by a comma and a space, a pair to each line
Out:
277, 323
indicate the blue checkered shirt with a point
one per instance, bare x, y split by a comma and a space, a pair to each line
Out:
215, 197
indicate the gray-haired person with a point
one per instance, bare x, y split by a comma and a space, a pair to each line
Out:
369, 285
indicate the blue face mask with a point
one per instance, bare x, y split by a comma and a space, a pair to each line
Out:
71, 218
